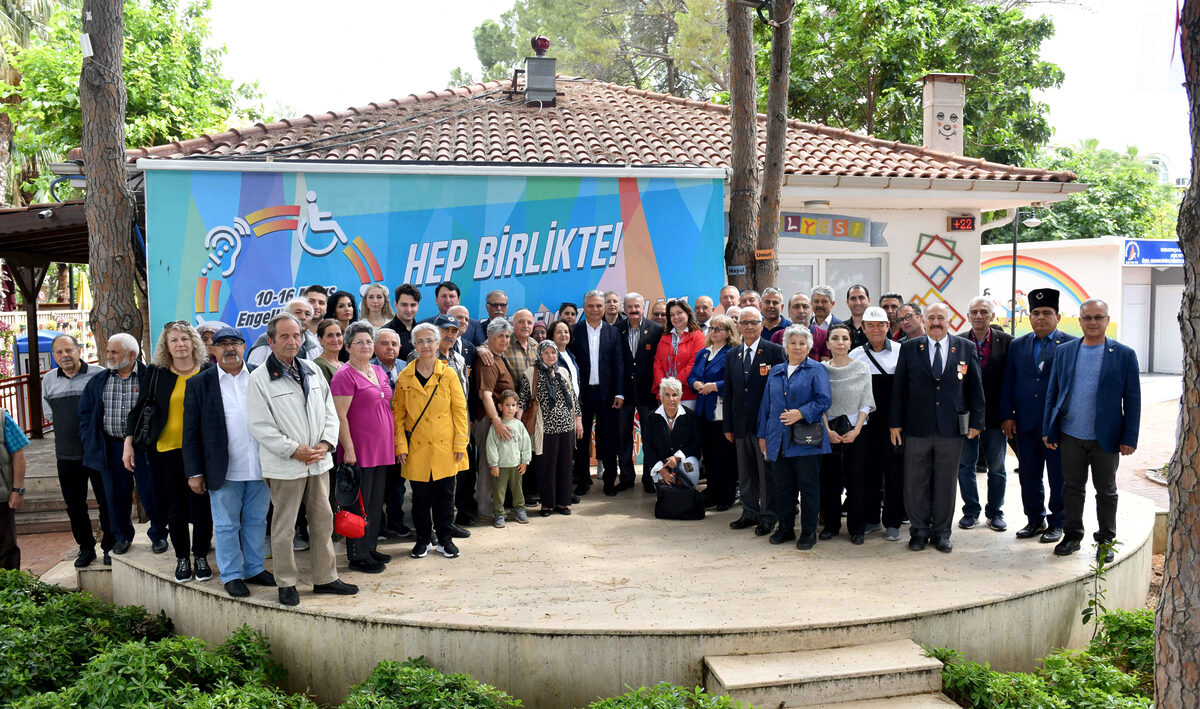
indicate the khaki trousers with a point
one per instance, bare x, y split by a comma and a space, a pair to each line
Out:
286, 496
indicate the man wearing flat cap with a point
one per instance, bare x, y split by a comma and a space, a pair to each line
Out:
221, 457
1022, 407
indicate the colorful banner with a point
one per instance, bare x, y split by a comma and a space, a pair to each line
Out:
235, 246
833, 227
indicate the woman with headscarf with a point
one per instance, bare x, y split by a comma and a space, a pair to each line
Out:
552, 417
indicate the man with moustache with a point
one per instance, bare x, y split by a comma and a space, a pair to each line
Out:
772, 312
640, 337
822, 307
800, 311
992, 347
912, 322
891, 302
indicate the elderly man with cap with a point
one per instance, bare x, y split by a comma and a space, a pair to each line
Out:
884, 482
1022, 407
221, 457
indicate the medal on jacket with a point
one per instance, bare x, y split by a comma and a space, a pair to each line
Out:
764, 370
962, 369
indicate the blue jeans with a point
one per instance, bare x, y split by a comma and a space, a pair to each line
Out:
239, 512
993, 442
118, 488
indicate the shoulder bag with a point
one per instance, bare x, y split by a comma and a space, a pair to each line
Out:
143, 428
680, 500
804, 433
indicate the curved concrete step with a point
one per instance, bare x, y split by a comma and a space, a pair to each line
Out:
915, 701
844, 674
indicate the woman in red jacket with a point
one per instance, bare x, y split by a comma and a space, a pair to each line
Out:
678, 348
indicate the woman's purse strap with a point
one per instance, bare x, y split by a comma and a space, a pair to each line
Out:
429, 401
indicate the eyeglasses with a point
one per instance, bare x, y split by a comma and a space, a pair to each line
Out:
1092, 318
750, 322
497, 305
362, 343
425, 341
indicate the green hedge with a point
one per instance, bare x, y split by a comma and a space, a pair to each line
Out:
666, 696
405, 685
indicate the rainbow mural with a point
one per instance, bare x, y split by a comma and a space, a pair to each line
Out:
1059, 278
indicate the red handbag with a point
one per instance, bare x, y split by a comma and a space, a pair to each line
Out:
350, 524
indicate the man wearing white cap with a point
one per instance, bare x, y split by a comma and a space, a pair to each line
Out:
884, 482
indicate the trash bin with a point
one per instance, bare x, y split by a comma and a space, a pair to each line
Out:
45, 358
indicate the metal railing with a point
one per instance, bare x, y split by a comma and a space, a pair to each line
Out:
14, 397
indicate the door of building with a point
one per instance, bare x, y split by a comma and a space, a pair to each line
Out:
1135, 322
1168, 343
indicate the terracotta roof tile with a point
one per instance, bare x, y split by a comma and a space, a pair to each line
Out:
594, 122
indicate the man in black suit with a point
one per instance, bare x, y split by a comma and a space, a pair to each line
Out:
596, 346
220, 457
992, 345
745, 378
937, 398
640, 338
448, 295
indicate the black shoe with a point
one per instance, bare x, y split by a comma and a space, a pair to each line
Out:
337, 587
237, 588
420, 550
107, 559
826, 535
782, 535
740, 523
400, 530
533, 501
806, 541
581, 490
1104, 557
943, 544
858, 539
458, 532
464, 520
381, 557
546, 511
968, 522
917, 543
625, 485
563, 510
367, 566
1051, 535
203, 571
121, 547
183, 570
262, 578
1031, 530
574, 499
648, 487
610, 491
86, 556
723, 507
1066, 547
158, 546
288, 596
762, 529
447, 548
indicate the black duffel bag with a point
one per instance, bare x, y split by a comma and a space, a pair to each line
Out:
680, 500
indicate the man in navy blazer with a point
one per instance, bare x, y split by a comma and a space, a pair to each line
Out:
220, 457
596, 346
639, 339
1093, 411
937, 398
1022, 407
447, 295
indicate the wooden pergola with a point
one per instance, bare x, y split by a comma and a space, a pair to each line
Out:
32, 238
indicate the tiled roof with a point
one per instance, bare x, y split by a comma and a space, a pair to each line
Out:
593, 123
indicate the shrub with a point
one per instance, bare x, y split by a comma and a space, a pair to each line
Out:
413, 684
666, 696
232, 696
1127, 639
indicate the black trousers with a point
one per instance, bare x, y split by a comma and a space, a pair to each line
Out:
601, 414
73, 479
554, 483
432, 507
798, 474
845, 468
171, 490
393, 496
720, 463
464, 486
374, 482
883, 478
1078, 456
625, 440
10, 553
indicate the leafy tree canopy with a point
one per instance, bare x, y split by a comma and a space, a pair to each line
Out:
858, 64
175, 83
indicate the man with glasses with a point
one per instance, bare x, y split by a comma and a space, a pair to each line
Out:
745, 379
772, 312
992, 346
1093, 413
800, 310
496, 303
1022, 408
912, 322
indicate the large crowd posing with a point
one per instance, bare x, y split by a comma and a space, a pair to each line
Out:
810, 423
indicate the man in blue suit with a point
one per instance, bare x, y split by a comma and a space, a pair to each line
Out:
937, 399
447, 295
1022, 406
596, 346
1093, 411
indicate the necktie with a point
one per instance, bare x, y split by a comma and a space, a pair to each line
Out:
938, 365
746, 361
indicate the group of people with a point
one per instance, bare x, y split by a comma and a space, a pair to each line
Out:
878, 419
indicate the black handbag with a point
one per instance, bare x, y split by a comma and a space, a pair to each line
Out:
143, 429
805, 433
680, 500
841, 425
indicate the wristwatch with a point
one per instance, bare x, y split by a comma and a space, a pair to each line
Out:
20, 490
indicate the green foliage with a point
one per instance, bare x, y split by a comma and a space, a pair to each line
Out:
1115, 671
1125, 197
232, 696
858, 64
666, 696
401, 685
174, 80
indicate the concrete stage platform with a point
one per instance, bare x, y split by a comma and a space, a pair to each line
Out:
564, 610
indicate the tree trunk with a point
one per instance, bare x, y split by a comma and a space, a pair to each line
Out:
6, 134
110, 204
772, 179
743, 128
1176, 659
62, 288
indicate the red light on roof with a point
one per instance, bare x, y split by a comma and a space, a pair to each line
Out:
540, 44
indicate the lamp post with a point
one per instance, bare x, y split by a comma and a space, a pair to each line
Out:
1031, 222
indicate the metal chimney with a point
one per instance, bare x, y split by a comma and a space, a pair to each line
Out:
944, 99
540, 74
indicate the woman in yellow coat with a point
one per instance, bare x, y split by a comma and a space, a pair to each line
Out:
431, 439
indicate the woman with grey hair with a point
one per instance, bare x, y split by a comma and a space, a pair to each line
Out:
490, 380
797, 392
671, 437
554, 422
362, 397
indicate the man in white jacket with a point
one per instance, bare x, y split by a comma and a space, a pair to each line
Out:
291, 415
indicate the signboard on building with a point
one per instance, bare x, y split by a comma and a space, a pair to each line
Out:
235, 241
1153, 252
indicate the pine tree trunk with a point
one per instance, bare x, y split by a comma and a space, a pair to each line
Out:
6, 134
743, 124
772, 178
1177, 645
110, 204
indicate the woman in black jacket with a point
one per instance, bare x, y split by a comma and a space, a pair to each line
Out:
179, 355
671, 437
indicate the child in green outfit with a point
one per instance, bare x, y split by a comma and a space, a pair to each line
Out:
508, 459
